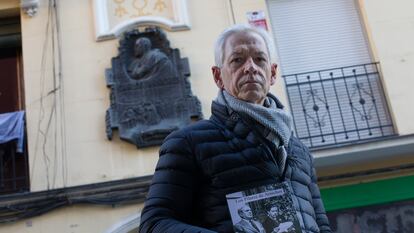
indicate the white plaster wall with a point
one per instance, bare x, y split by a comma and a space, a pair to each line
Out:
86, 155
74, 219
391, 26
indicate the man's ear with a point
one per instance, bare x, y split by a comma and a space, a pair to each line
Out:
217, 76
273, 70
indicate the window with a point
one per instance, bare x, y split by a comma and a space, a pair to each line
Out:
333, 85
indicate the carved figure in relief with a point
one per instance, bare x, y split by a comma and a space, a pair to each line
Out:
147, 80
148, 62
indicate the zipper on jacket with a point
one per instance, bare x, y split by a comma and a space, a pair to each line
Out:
269, 153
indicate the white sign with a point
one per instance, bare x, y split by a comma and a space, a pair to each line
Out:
257, 19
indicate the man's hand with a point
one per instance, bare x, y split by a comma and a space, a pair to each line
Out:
283, 227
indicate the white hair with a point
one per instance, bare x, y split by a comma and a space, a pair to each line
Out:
241, 28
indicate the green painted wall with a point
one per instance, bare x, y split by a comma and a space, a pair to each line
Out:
370, 193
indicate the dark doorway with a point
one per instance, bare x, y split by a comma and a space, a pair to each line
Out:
14, 172
10, 100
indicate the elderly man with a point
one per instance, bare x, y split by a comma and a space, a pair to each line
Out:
148, 62
247, 224
246, 143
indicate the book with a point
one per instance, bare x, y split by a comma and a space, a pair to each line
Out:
264, 209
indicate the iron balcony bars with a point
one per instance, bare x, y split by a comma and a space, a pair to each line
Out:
339, 106
14, 176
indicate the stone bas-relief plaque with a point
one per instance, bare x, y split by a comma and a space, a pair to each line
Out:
150, 93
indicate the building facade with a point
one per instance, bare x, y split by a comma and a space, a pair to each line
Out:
345, 72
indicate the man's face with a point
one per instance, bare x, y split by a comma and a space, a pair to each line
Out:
246, 213
140, 47
273, 212
247, 73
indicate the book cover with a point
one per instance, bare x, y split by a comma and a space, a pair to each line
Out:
264, 209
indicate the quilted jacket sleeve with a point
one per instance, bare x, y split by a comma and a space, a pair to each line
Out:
321, 218
168, 206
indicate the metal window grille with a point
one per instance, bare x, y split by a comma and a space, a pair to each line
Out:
339, 106
14, 175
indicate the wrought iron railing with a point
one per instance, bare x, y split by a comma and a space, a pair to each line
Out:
339, 106
14, 176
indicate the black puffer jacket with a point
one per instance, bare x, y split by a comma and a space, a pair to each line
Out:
202, 163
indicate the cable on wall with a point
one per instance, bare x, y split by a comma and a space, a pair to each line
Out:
55, 120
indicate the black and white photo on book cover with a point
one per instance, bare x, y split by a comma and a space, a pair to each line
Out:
264, 209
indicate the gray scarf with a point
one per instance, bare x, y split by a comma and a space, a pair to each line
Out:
277, 123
